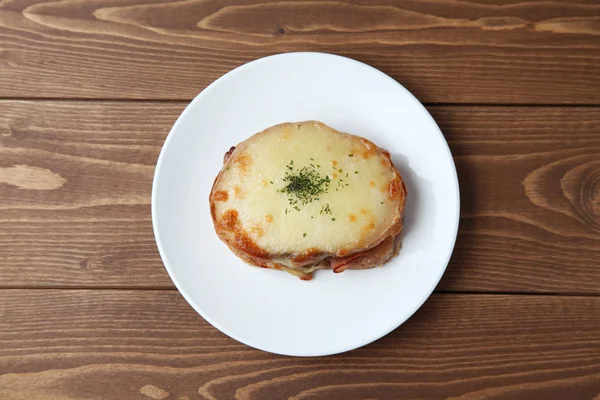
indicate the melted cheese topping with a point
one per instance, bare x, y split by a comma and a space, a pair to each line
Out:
359, 195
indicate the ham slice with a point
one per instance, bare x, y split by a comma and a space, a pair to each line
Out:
341, 264
366, 259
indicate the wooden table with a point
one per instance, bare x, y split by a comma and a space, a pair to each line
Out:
89, 91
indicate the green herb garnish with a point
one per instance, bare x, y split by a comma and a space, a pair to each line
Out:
325, 209
303, 186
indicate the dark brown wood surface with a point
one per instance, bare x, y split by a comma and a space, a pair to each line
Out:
77, 211
88, 93
488, 51
107, 344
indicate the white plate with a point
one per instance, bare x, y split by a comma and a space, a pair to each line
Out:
271, 310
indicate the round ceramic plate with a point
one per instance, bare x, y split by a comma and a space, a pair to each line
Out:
272, 310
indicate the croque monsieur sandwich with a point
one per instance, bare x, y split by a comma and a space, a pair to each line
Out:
302, 196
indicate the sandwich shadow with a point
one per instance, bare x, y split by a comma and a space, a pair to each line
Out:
417, 190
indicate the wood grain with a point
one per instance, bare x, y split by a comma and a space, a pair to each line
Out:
529, 182
105, 344
492, 51
94, 228
530, 198
76, 180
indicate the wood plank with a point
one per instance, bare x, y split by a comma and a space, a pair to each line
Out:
101, 344
530, 198
492, 51
74, 202
75, 192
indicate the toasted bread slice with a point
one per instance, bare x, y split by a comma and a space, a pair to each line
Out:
303, 196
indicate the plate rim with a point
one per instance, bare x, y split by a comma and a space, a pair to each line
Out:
159, 242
